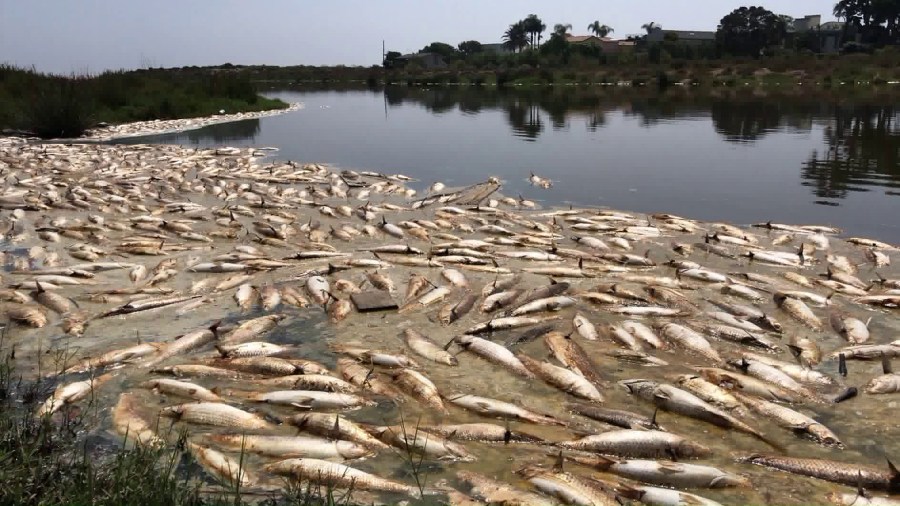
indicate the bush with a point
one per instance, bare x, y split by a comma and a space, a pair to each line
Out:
58, 110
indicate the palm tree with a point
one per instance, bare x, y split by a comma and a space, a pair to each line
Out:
515, 38
534, 27
653, 25
600, 30
562, 29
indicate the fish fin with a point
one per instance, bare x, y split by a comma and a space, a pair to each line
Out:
560, 460
842, 364
653, 423
670, 467
301, 406
847, 394
886, 366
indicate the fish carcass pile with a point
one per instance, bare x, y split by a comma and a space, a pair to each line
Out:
516, 355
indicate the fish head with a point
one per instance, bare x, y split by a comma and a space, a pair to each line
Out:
637, 386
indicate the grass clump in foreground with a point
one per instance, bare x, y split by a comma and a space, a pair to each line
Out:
47, 462
51, 106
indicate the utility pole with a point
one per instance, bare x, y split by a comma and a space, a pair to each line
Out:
382, 52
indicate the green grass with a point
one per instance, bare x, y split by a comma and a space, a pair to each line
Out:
57, 106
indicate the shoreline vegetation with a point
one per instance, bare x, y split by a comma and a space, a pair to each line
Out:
51, 106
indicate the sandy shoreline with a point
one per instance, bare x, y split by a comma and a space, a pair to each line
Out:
158, 127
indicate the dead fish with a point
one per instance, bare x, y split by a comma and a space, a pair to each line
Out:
562, 378
690, 340
573, 356
510, 322
494, 353
335, 426
311, 399
330, 474
71, 392
615, 417
499, 409
246, 296
146, 305
215, 414
676, 400
181, 389
495, 492
792, 420
420, 388
450, 313
318, 289
222, 467
131, 426
584, 327
291, 446
251, 329
567, 488
270, 296
427, 348
380, 281
663, 472
32, 316
421, 442
841, 472
639, 444
482, 432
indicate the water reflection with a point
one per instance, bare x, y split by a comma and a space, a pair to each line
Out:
731, 154
862, 139
863, 146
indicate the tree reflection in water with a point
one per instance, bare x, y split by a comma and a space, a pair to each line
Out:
863, 149
861, 134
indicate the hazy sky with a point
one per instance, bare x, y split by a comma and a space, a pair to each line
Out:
94, 35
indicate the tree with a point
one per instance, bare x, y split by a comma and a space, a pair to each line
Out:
877, 20
600, 30
470, 47
515, 38
441, 48
390, 59
750, 30
534, 27
649, 27
562, 29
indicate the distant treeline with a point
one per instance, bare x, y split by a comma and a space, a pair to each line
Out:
584, 67
53, 106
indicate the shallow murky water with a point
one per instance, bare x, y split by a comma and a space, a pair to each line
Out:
865, 424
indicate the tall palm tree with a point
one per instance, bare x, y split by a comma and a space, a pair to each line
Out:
653, 25
534, 27
515, 38
600, 30
562, 29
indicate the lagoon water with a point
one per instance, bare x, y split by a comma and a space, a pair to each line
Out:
730, 155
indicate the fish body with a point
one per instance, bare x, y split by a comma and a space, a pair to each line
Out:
841, 472
563, 379
501, 409
427, 348
639, 444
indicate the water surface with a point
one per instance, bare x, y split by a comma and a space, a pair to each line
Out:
736, 156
